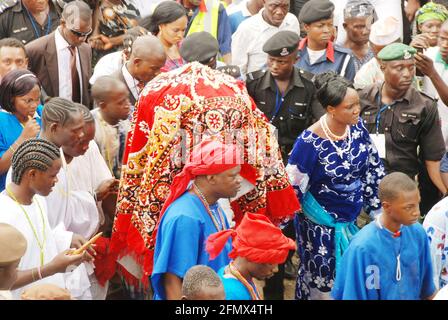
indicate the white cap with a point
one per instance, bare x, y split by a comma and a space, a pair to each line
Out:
385, 31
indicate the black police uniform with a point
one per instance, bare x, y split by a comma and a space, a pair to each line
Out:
297, 110
412, 132
17, 22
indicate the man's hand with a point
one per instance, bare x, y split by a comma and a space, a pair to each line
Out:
101, 42
421, 41
424, 64
63, 260
107, 187
31, 129
78, 241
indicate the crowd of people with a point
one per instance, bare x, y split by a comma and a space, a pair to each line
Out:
207, 149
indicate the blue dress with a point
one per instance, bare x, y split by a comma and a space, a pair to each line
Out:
233, 288
369, 266
10, 130
180, 241
342, 186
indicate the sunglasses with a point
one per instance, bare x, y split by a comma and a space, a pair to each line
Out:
80, 34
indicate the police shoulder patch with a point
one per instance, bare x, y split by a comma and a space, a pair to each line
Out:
6, 4
256, 75
342, 49
307, 75
424, 94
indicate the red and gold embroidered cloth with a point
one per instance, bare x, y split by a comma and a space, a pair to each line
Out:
174, 112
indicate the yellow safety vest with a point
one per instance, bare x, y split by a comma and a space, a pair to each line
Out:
207, 21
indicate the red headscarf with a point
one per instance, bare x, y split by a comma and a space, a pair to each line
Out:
256, 239
209, 157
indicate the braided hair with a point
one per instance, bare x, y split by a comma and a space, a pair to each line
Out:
58, 110
86, 115
33, 154
331, 88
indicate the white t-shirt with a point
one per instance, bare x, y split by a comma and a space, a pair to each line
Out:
315, 55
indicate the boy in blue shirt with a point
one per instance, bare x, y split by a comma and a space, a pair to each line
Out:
389, 259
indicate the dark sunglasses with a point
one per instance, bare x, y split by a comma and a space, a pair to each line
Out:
80, 34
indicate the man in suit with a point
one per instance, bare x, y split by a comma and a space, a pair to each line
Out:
62, 60
147, 57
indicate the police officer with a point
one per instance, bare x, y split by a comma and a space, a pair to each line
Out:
27, 20
317, 52
284, 93
286, 96
404, 123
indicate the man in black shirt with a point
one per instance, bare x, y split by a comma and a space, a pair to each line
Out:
27, 20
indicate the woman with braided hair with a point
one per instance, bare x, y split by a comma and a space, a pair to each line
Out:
335, 169
35, 165
19, 114
84, 182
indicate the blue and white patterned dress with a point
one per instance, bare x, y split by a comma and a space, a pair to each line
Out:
342, 186
436, 227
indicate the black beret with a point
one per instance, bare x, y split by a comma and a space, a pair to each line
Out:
282, 44
315, 10
199, 46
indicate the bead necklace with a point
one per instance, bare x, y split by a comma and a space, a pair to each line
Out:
209, 211
326, 128
327, 132
39, 243
253, 290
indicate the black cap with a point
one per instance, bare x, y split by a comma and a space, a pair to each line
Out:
282, 44
316, 10
199, 46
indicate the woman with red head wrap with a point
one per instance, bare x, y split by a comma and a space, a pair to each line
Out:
258, 247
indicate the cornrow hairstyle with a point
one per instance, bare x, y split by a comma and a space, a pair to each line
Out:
16, 83
33, 154
86, 115
58, 110
331, 88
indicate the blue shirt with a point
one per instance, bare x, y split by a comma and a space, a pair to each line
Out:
333, 60
368, 267
10, 130
224, 32
180, 241
235, 19
233, 288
